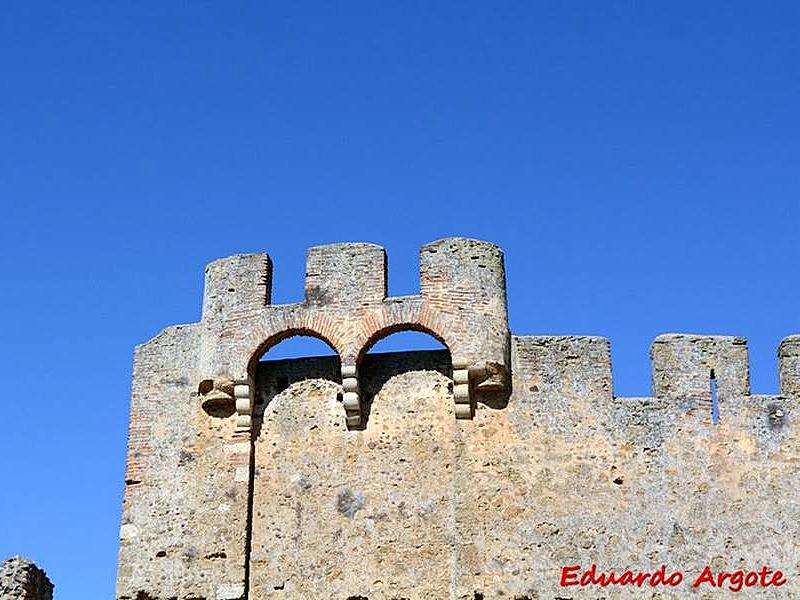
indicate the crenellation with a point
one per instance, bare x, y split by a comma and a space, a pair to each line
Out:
561, 378
568, 365
462, 303
237, 286
345, 275
462, 267
789, 366
684, 364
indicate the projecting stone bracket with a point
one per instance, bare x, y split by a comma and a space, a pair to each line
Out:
489, 376
222, 397
351, 396
461, 389
216, 394
472, 379
244, 405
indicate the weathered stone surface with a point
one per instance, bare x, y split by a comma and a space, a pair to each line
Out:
21, 579
184, 524
332, 508
350, 476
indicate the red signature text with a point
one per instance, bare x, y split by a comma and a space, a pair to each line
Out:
735, 581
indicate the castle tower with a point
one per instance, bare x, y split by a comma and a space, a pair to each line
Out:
477, 471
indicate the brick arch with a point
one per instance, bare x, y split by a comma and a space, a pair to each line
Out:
410, 315
275, 331
285, 335
397, 328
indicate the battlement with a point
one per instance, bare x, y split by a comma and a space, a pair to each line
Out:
346, 274
501, 447
558, 371
462, 302
789, 359
237, 285
684, 365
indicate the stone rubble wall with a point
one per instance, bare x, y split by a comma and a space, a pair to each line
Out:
184, 517
473, 472
21, 579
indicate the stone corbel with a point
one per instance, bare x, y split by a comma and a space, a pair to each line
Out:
463, 409
488, 376
351, 396
242, 391
215, 394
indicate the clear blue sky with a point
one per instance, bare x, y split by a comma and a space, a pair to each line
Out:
638, 162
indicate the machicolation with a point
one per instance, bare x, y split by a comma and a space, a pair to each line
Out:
475, 471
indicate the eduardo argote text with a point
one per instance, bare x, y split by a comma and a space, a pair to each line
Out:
735, 581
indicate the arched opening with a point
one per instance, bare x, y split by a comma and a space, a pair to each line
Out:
406, 341
398, 350
298, 345
403, 337
293, 357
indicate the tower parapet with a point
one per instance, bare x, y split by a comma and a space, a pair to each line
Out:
462, 302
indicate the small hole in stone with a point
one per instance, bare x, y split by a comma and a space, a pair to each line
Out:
231, 290
205, 386
161, 554
619, 480
776, 417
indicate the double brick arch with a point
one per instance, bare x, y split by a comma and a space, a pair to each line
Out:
406, 314
462, 303
350, 338
274, 332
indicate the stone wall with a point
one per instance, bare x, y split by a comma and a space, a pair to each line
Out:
479, 471
21, 579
